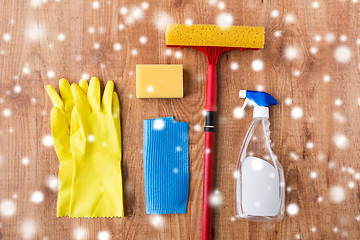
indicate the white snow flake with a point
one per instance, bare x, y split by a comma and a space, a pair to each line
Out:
337, 194
315, 5
50, 74
143, 39
52, 182
257, 65
28, 229
47, 141
7, 37
104, 235
159, 124
292, 209
188, 21
7, 208
157, 221
224, 19
342, 54
95, 4
37, 197
291, 53
239, 113
80, 233
161, 20
296, 113
117, 46
290, 18
61, 37
340, 140
25, 161
274, 13
234, 66
6, 112
216, 198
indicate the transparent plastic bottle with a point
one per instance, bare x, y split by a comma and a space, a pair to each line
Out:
259, 183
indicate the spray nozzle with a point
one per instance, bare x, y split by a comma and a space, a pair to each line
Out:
260, 101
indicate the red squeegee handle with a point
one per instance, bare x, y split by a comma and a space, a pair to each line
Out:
210, 107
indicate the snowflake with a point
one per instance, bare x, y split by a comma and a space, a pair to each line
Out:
342, 54
291, 53
25, 161
7, 37
188, 21
80, 233
221, 5
144, 5
123, 10
50, 74
103, 235
143, 39
28, 229
6, 112
239, 113
7, 208
326, 78
234, 66
257, 65
159, 124
178, 54
274, 13
47, 141
315, 5
157, 221
337, 194
340, 140
61, 37
292, 209
37, 197
216, 198
52, 182
95, 4
117, 47
296, 112
224, 19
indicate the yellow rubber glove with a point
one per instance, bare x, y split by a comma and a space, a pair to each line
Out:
60, 128
96, 147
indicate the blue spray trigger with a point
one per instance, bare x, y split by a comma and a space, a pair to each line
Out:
262, 99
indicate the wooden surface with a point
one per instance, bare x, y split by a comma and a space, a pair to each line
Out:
318, 149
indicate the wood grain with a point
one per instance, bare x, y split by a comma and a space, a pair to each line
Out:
34, 45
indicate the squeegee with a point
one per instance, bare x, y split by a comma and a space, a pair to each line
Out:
212, 40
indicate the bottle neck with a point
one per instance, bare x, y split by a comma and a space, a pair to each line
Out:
261, 112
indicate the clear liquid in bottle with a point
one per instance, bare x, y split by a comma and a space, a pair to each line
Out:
259, 184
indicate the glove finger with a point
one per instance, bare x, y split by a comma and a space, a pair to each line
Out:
60, 130
93, 95
66, 94
107, 97
115, 105
77, 128
81, 103
54, 96
116, 116
75, 125
83, 84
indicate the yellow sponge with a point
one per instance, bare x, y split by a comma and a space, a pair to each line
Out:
214, 35
159, 81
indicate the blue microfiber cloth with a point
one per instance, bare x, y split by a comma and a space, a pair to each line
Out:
166, 165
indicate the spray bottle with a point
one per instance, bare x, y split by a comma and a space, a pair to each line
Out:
259, 184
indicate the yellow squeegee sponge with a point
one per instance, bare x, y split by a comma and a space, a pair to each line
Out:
214, 35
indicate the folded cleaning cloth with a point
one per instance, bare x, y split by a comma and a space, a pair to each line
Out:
166, 165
